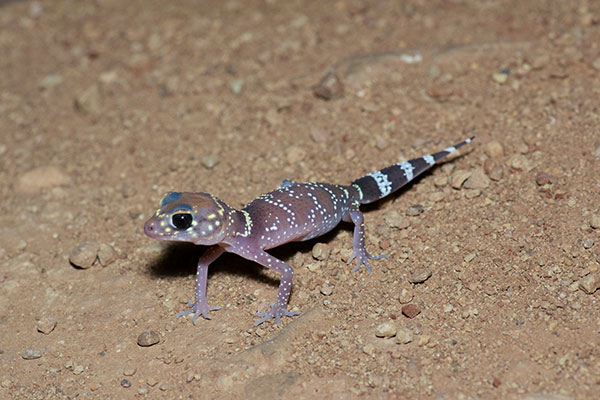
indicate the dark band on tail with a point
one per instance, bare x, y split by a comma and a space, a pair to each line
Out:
379, 184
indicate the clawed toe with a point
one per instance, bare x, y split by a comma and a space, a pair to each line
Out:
364, 259
276, 312
198, 309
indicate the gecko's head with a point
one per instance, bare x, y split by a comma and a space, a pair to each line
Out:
189, 217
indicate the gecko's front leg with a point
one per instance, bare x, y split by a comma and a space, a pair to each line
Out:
279, 308
200, 306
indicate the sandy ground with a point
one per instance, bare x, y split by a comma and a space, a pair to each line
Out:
106, 105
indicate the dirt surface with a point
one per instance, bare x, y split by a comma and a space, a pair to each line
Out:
106, 105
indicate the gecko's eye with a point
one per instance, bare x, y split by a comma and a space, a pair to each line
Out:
182, 220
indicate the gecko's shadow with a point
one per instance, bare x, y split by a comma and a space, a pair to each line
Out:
179, 259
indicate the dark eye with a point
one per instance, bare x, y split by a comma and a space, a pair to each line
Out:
182, 220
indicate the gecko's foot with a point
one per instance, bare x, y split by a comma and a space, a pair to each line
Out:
198, 308
276, 311
363, 258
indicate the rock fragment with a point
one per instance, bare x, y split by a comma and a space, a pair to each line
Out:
459, 177
209, 161
106, 254
321, 251
46, 324
89, 101
330, 87
84, 255
414, 210
386, 330
148, 338
411, 310
404, 336
395, 220
595, 221
590, 283
420, 275
31, 354
494, 149
477, 180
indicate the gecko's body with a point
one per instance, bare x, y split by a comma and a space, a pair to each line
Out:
293, 212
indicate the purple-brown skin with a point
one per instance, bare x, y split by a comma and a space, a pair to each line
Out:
294, 212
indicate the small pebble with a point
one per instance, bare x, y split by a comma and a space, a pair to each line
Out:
440, 180
129, 370
127, 190
260, 332
542, 178
459, 177
423, 340
46, 324
148, 338
477, 180
78, 369
143, 390
90, 100
496, 173
437, 197
330, 87
520, 162
414, 210
420, 275
411, 310
313, 267
472, 193
385, 330
395, 220
84, 255
237, 85
106, 254
405, 296
595, 221
49, 81
596, 64
326, 289
404, 336
321, 251
381, 143
209, 161
469, 257
590, 283
368, 349
31, 354
588, 243
319, 135
189, 377
125, 383
500, 77
494, 149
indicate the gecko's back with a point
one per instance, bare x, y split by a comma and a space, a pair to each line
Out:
296, 212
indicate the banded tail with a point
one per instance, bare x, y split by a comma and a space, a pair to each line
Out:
378, 184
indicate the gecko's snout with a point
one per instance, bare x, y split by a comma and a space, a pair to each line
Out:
149, 228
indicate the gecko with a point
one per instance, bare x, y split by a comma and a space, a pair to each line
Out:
293, 212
